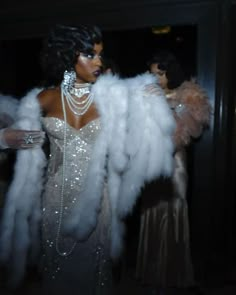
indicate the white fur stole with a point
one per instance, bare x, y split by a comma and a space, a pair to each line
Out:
136, 137
133, 147
21, 216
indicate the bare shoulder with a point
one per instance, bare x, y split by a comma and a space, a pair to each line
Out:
47, 98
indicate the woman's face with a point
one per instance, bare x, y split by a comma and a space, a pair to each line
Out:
161, 75
88, 66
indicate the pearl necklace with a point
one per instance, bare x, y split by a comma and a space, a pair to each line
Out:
63, 253
73, 97
80, 89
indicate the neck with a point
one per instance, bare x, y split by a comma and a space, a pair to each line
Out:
81, 84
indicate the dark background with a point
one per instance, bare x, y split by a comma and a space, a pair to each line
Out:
130, 50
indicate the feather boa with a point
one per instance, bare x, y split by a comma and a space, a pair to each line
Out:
192, 112
135, 145
21, 215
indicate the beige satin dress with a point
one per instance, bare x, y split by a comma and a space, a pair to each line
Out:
164, 258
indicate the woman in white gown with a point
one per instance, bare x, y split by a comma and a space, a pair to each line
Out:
101, 154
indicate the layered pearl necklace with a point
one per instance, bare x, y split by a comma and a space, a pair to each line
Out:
78, 106
75, 97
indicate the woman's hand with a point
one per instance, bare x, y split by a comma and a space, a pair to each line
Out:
20, 139
154, 88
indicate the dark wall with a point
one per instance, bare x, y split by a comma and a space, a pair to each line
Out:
132, 48
19, 63
231, 138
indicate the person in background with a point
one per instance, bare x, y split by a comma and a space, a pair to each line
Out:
110, 66
164, 257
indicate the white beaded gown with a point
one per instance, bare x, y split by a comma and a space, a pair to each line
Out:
87, 268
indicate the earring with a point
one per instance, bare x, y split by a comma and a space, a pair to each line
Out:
69, 79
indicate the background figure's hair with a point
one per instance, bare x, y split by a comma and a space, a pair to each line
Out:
168, 62
62, 47
109, 65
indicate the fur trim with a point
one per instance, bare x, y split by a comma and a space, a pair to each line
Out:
134, 146
111, 100
194, 114
20, 223
118, 95
133, 154
148, 144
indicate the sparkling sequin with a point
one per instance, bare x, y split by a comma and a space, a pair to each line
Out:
88, 267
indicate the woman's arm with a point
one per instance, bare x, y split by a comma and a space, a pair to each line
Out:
20, 139
11, 137
192, 110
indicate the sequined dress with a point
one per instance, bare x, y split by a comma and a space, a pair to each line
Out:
87, 269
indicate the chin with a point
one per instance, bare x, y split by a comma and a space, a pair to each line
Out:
93, 80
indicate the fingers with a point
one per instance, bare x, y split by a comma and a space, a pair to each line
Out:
32, 139
25, 145
28, 146
34, 136
154, 89
18, 139
33, 133
22, 134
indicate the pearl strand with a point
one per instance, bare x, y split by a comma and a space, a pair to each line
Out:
63, 253
78, 107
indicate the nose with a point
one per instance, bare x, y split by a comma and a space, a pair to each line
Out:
98, 60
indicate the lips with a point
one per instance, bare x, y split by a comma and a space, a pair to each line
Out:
97, 73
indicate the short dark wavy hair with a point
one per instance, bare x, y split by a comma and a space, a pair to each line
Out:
168, 62
62, 47
109, 63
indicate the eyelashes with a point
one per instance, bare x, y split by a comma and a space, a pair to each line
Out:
91, 55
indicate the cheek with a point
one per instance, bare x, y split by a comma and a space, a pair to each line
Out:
82, 67
163, 81
160, 79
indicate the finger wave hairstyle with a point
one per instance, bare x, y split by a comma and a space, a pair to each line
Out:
167, 62
62, 47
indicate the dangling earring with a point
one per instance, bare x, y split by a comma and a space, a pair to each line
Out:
69, 79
